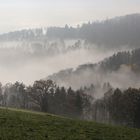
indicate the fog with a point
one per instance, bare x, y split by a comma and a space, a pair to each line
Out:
123, 78
23, 62
35, 13
28, 61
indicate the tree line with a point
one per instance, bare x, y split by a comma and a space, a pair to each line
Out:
119, 31
118, 107
45, 96
128, 58
115, 107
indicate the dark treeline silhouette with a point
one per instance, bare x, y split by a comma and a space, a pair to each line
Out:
119, 31
118, 107
128, 58
45, 96
115, 107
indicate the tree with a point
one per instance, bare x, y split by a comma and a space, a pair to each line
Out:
79, 103
70, 102
1, 95
41, 92
115, 105
16, 95
60, 101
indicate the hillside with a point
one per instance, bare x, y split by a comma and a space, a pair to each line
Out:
25, 125
115, 32
116, 69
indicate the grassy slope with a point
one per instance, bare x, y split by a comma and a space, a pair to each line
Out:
25, 125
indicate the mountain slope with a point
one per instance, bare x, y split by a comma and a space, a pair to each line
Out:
25, 125
110, 33
117, 69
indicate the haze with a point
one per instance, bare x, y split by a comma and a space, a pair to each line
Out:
43, 13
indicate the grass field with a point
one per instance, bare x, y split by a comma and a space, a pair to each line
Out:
26, 125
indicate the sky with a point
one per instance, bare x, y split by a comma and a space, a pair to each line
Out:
20, 14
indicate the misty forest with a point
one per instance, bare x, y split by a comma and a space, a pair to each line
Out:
69, 70
88, 72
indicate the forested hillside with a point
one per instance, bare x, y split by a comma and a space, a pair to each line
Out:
121, 65
115, 32
110, 33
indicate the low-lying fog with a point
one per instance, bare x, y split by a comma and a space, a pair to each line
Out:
30, 61
18, 65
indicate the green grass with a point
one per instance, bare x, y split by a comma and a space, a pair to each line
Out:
26, 125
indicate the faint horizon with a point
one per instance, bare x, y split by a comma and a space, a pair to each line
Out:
25, 14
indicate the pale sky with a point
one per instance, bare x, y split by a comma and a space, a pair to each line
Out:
19, 14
